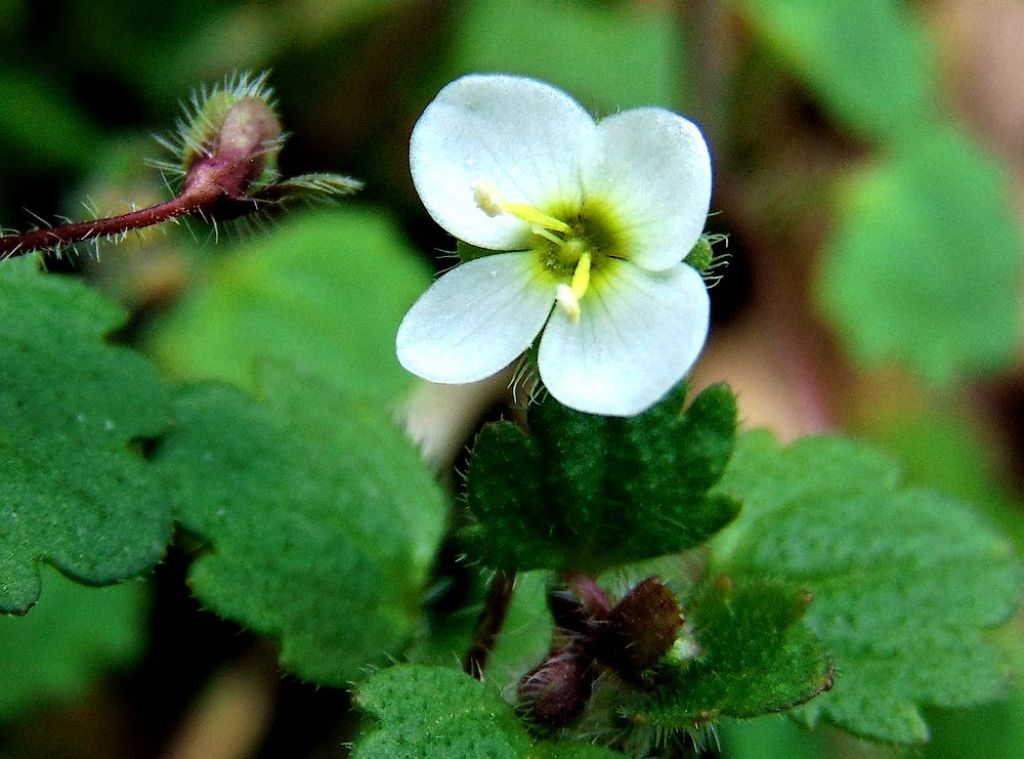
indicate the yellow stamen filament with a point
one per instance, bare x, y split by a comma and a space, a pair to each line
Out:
547, 235
581, 276
492, 203
535, 217
567, 296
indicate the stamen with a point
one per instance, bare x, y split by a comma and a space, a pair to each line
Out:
487, 197
581, 276
532, 215
547, 235
568, 302
491, 202
568, 295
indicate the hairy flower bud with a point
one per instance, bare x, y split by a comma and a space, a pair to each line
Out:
641, 628
556, 691
232, 142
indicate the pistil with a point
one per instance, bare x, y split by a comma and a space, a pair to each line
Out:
571, 246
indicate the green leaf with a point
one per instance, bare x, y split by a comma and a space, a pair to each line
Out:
74, 488
754, 657
589, 50
324, 292
321, 520
766, 480
925, 267
772, 737
525, 637
72, 637
871, 63
40, 125
571, 750
904, 581
940, 448
426, 712
586, 492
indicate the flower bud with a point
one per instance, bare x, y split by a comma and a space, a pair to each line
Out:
227, 143
556, 691
640, 629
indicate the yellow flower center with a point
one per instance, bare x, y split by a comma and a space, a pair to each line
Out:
569, 243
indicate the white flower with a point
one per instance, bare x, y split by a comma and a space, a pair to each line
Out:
594, 220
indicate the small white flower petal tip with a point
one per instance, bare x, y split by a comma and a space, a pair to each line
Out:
589, 223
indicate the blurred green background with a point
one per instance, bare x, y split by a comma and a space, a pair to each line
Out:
869, 169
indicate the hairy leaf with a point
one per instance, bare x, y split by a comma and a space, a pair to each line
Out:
74, 488
904, 581
425, 712
586, 492
754, 656
322, 522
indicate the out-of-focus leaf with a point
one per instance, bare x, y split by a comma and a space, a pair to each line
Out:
12, 15
943, 451
74, 488
925, 267
991, 730
904, 581
73, 636
771, 737
321, 520
526, 635
870, 62
324, 293
41, 125
609, 56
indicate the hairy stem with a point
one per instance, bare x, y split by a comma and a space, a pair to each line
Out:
192, 201
488, 625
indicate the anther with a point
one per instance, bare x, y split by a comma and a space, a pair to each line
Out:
487, 197
568, 301
490, 200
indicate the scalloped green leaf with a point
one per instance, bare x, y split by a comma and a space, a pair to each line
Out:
323, 292
905, 581
587, 492
75, 490
754, 657
70, 639
321, 521
926, 264
844, 49
426, 712
945, 449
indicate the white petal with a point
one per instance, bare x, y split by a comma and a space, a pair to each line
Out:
475, 319
652, 169
638, 333
523, 136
